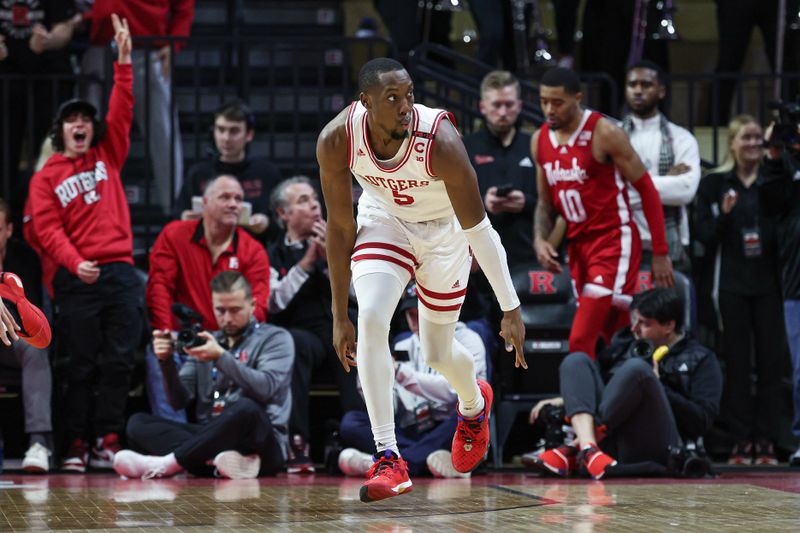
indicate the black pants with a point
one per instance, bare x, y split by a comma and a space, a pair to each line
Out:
314, 350
753, 322
736, 20
99, 327
641, 426
243, 426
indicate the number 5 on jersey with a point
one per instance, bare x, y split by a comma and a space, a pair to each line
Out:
402, 199
572, 205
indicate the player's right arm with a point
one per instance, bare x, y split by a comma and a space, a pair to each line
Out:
337, 189
544, 217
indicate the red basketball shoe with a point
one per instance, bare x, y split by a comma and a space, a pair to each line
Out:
35, 328
471, 440
388, 477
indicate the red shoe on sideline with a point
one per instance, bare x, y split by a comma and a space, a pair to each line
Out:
35, 328
471, 440
561, 461
388, 477
594, 461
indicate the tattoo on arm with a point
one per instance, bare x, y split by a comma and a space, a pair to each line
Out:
543, 220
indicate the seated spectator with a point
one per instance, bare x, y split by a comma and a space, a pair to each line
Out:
425, 417
233, 130
670, 154
644, 406
238, 383
300, 300
18, 257
184, 259
746, 293
81, 222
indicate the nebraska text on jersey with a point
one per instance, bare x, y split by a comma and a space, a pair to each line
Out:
555, 173
84, 183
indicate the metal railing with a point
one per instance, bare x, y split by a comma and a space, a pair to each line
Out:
296, 85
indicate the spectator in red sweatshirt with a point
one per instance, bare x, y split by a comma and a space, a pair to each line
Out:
186, 257
82, 224
148, 18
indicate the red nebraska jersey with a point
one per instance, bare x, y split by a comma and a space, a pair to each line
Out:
591, 196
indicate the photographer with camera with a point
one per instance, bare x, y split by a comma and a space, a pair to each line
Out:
634, 404
747, 293
424, 404
185, 257
779, 195
238, 382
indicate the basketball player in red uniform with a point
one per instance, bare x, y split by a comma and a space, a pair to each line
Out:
419, 215
583, 164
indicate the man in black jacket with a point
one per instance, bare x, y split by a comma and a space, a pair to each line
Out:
779, 193
500, 153
645, 407
300, 301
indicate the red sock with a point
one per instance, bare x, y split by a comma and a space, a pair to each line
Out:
590, 320
617, 319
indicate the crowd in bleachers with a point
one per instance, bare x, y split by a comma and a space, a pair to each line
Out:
246, 256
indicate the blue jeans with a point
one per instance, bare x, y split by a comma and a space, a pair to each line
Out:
791, 315
154, 386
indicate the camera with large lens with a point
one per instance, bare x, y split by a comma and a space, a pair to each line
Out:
642, 348
191, 325
787, 118
689, 460
552, 417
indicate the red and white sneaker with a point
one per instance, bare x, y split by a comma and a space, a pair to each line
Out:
471, 441
561, 461
77, 457
388, 477
104, 451
35, 327
594, 461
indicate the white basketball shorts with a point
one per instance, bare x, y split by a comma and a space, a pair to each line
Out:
434, 252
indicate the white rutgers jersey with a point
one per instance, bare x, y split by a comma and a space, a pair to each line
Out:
405, 185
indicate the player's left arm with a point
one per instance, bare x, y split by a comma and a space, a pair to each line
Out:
450, 163
614, 144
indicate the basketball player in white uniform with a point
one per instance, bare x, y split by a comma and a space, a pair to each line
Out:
420, 190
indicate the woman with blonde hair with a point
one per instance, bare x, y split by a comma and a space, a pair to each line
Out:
746, 293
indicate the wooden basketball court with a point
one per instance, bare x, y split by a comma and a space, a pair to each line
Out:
737, 500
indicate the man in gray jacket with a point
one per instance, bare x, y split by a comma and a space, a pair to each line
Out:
238, 383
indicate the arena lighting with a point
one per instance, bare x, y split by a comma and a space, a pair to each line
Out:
666, 27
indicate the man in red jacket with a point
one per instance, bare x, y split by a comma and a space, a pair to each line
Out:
82, 224
151, 63
186, 257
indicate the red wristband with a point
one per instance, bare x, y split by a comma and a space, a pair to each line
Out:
653, 212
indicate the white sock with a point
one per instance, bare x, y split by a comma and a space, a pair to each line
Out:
377, 295
385, 439
449, 357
